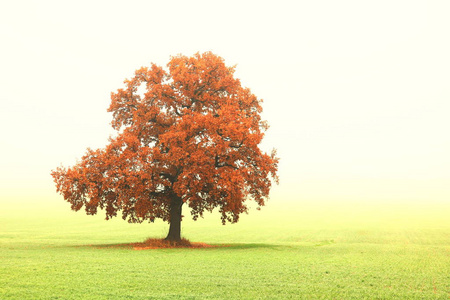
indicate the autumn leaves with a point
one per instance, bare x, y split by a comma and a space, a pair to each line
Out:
190, 133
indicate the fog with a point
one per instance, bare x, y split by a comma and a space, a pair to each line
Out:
356, 94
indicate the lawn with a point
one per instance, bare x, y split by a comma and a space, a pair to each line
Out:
310, 251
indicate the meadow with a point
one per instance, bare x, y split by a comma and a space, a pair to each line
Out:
296, 251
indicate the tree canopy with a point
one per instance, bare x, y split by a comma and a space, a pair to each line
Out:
186, 135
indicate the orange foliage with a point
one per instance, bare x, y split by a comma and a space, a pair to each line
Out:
189, 132
162, 244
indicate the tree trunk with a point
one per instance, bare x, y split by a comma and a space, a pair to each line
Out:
175, 219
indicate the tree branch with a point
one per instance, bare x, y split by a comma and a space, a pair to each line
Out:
218, 164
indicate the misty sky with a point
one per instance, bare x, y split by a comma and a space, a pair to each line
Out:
357, 93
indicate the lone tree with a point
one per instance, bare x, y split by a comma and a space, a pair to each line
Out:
188, 135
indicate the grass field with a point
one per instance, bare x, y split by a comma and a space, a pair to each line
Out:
306, 251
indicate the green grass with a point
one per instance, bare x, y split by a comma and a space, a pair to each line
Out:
310, 251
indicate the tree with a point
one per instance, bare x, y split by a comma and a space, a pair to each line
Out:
188, 135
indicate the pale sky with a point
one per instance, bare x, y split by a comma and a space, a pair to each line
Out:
357, 93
